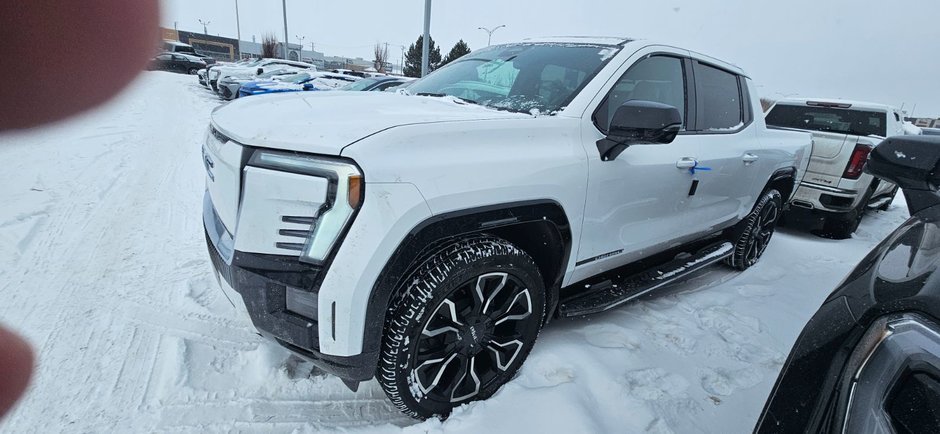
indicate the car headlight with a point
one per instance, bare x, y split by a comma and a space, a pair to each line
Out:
344, 196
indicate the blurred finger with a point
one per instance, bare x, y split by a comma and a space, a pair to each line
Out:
64, 56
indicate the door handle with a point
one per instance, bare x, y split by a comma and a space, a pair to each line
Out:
749, 158
686, 163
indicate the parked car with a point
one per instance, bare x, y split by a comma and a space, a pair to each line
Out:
228, 86
181, 48
869, 359
300, 81
377, 84
175, 62
359, 74
252, 69
836, 193
930, 131
425, 239
201, 74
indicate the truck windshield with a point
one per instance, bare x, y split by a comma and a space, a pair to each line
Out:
827, 119
519, 77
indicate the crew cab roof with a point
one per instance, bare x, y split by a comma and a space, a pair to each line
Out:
836, 101
594, 40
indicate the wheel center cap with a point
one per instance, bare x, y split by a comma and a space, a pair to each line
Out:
474, 335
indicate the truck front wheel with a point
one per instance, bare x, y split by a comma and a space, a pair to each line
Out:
466, 320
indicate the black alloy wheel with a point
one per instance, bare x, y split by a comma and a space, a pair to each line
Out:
752, 236
469, 317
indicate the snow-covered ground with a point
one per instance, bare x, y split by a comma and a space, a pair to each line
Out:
103, 267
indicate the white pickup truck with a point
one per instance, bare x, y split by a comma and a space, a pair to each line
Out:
836, 192
424, 237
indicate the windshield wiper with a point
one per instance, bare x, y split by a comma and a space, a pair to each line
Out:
444, 95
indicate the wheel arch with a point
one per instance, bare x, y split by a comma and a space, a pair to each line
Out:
783, 180
539, 227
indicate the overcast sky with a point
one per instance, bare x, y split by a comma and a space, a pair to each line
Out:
877, 50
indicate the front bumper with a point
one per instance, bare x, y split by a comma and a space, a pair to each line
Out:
228, 90
261, 283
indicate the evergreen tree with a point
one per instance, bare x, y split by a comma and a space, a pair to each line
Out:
413, 57
460, 49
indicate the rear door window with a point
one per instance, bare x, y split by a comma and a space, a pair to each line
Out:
719, 99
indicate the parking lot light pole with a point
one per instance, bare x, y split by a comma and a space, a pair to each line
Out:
238, 30
301, 39
426, 45
286, 39
489, 33
205, 26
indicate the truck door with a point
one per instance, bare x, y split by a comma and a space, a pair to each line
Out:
636, 203
729, 153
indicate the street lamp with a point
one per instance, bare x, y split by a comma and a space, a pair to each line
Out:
205, 25
426, 45
489, 32
286, 40
301, 38
402, 61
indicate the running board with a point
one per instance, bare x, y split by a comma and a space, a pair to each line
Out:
609, 294
879, 203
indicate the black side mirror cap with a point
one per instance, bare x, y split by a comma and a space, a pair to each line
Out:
911, 162
638, 122
260, 71
908, 161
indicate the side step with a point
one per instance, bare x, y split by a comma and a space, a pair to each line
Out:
610, 294
879, 202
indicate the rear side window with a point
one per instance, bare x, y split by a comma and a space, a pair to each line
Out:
719, 97
828, 119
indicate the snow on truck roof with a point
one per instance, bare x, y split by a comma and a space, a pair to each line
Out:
594, 40
837, 103
622, 41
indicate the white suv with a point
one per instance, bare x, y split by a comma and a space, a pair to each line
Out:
836, 192
424, 237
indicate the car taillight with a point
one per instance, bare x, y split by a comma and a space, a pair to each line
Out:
859, 156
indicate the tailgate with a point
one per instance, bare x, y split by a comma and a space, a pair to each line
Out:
827, 161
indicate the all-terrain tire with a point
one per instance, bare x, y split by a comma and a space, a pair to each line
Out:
437, 316
752, 235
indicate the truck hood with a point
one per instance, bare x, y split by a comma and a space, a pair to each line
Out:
326, 122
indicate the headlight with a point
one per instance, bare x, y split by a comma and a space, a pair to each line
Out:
344, 196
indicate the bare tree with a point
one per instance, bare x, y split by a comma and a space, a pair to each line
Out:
269, 45
381, 57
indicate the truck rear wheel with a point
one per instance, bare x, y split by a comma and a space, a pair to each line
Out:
466, 320
752, 235
842, 226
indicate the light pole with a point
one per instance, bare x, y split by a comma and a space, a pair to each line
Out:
489, 37
426, 45
238, 30
286, 39
301, 38
205, 26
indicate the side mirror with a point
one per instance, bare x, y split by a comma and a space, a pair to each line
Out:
638, 122
308, 86
911, 162
260, 71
